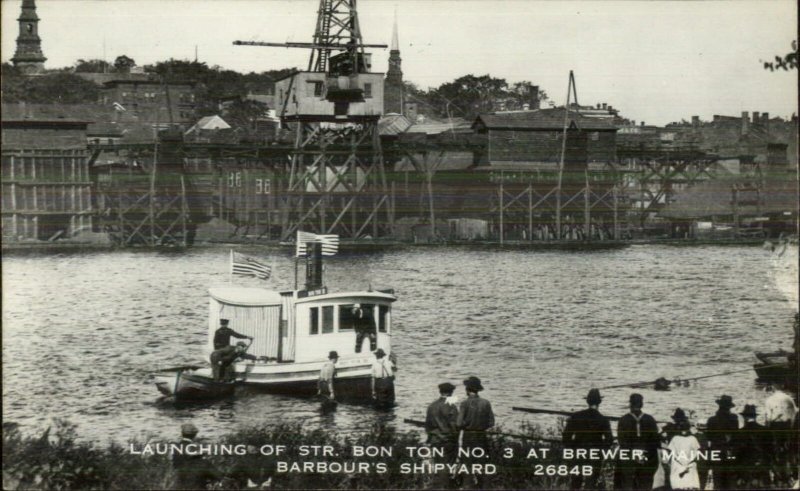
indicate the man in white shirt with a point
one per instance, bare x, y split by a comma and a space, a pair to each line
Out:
325, 384
781, 412
382, 380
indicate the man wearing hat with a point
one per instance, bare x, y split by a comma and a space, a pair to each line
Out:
222, 360
475, 416
441, 425
223, 334
326, 374
364, 327
191, 471
752, 450
382, 380
588, 429
638, 433
721, 432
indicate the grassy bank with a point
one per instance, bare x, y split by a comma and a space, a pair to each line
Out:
56, 459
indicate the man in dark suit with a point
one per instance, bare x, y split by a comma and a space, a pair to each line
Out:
441, 424
588, 429
638, 433
721, 432
223, 335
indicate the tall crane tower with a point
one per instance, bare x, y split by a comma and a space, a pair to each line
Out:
335, 179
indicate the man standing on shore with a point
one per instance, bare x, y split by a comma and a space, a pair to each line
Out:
441, 424
223, 334
721, 431
191, 472
475, 417
588, 429
637, 432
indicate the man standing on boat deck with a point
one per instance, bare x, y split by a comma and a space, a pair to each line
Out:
637, 432
721, 431
222, 336
325, 384
475, 416
586, 430
222, 360
382, 380
364, 327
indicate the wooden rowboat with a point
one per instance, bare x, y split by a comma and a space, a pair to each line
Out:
192, 384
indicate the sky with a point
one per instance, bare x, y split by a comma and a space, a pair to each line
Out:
655, 61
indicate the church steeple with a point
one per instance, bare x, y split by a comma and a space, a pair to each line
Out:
395, 72
393, 91
29, 57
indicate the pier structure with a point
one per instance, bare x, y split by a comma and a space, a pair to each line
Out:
655, 174
147, 203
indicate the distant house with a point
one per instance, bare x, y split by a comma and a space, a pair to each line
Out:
532, 140
149, 99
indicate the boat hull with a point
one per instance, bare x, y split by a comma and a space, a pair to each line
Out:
352, 381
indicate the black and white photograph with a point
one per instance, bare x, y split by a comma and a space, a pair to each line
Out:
385, 244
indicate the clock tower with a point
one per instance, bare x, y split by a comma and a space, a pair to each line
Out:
28, 57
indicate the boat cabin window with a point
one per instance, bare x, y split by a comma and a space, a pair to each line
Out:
383, 317
347, 319
313, 320
327, 319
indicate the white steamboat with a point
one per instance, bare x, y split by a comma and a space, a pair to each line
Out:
293, 332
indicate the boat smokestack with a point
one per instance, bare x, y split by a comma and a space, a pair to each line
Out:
314, 266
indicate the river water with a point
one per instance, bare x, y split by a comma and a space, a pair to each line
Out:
83, 331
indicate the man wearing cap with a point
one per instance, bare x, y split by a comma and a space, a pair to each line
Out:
364, 327
752, 448
441, 425
475, 416
223, 334
191, 471
588, 429
222, 360
382, 380
638, 433
721, 432
326, 374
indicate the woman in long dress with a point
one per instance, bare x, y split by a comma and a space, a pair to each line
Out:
684, 450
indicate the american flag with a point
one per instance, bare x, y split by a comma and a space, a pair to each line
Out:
247, 266
330, 243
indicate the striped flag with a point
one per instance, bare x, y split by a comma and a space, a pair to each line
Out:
247, 266
330, 243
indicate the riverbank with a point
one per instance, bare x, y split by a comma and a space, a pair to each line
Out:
378, 245
285, 455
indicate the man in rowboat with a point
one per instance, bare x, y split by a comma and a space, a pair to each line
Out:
223, 335
222, 360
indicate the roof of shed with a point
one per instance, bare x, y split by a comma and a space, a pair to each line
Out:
542, 119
